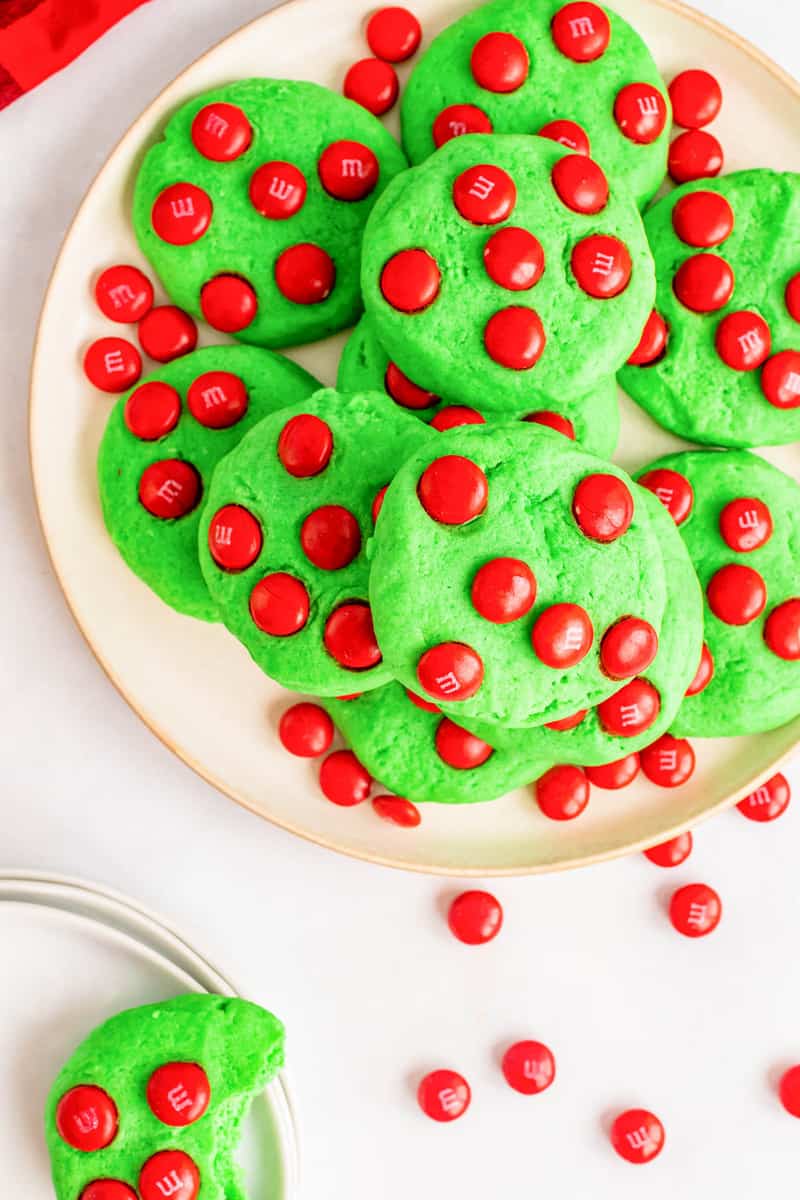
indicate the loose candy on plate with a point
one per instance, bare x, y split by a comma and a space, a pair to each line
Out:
768, 802
695, 910
123, 293
475, 917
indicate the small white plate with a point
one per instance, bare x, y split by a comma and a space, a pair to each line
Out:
74, 956
194, 685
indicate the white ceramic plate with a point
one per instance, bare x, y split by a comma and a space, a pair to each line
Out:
193, 684
76, 956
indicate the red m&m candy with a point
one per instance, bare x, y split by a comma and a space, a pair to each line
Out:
234, 538
736, 594
167, 332
484, 195
780, 379
792, 297
459, 748
278, 190
453, 490
668, 762
330, 537
410, 281
581, 31
628, 648
454, 415
348, 170
499, 62
86, 1118
377, 503
631, 710
305, 445
562, 635
514, 259
373, 84
170, 489
178, 1093
695, 910
614, 775
305, 273
565, 723
504, 590
349, 636
112, 364
444, 1095
580, 183
745, 524
703, 283
217, 399
457, 120
702, 219
553, 420
562, 793
393, 33
475, 917
406, 393
694, 155
169, 1173
789, 1091
152, 410
742, 340
696, 98
672, 489
782, 630
637, 1136
419, 702
123, 293
108, 1189
603, 507
704, 673
279, 604
671, 853
221, 132
514, 337
398, 810
529, 1067
567, 133
640, 112
344, 780
450, 671
652, 343
602, 265
768, 801
181, 214
305, 730
229, 303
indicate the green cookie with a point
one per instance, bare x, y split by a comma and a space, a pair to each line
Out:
365, 365
709, 385
508, 492
156, 1097
670, 673
396, 742
556, 86
220, 382
289, 565
277, 216
451, 327
755, 684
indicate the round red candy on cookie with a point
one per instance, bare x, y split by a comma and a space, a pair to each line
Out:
704, 283
673, 490
484, 194
450, 671
637, 1135
475, 917
581, 31
234, 538
373, 84
169, 1173
453, 490
181, 214
553, 420
278, 190
454, 415
631, 710
570, 722
743, 340
514, 259
217, 399
305, 730
782, 630
86, 1118
702, 219
108, 1189
170, 488
178, 1093
167, 332
503, 590
792, 297
528, 1067
736, 594
459, 748
229, 303
305, 446
348, 170
640, 112
668, 762
695, 910
601, 265
152, 410
444, 1095
514, 337
628, 648
410, 281
344, 780
499, 62
562, 793
567, 133
562, 635
349, 636
603, 507
745, 524
671, 853
398, 810
614, 775
704, 673
279, 604
112, 364
580, 183
377, 503
123, 293
305, 273
696, 98
393, 33
330, 537
405, 392
694, 155
458, 119
780, 379
221, 132
652, 343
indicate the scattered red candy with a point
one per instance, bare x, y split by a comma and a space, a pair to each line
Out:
694, 155
123, 293
562, 635
704, 673
450, 671
398, 810
567, 133
668, 762
221, 132
178, 1093
565, 723
405, 392
703, 283
504, 590
278, 190
768, 801
695, 910
696, 98
514, 259
789, 1091
181, 214
529, 1067
780, 379
349, 637
108, 1189
112, 364
736, 594
742, 340
745, 524
580, 184
377, 503
305, 730
444, 1095
499, 62
652, 343
628, 648
672, 489
152, 410
167, 332
217, 399
305, 274
581, 31
348, 170
457, 120
228, 303
453, 490
455, 415
410, 281
86, 1118
782, 630
603, 507
671, 853
344, 780
419, 702
169, 1173
562, 793
170, 489
393, 33
515, 338
330, 537
602, 265
279, 604
459, 748
702, 219
373, 84
234, 538
553, 420
631, 710
475, 917
640, 112
614, 775
637, 1136
305, 446
484, 195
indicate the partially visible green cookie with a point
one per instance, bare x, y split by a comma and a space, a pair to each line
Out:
154, 1100
505, 264
252, 206
424, 756
576, 72
163, 440
501, 559
721, 362
671, 672
593, 419
740, 519
283, 537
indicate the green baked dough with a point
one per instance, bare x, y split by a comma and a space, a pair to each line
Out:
164, 553
395, 740
670, 673
752, 689
595, 416
422, 572
690, 390
442, 347
292, 122
238, 1044
556, 88
371, 438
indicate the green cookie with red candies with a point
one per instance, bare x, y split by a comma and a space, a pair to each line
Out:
502, 558
505, 264
251, 207
161, 444
419, 753
592, 420
650, 693
574, 72
151, 1104
719, 361
283, 537
739, 517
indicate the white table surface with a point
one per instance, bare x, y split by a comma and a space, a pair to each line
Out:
357, 959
